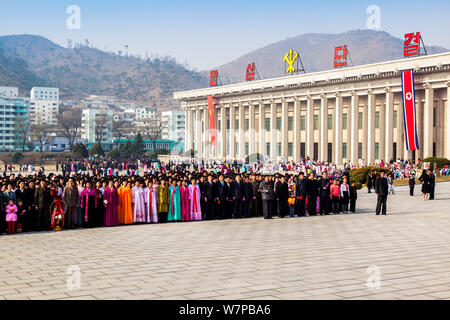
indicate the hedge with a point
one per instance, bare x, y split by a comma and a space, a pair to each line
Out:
360, 175
439, 162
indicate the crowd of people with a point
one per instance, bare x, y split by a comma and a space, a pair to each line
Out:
167, 193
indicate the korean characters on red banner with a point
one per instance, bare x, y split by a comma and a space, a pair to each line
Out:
412, 44
340, 56
213, 76
250, 73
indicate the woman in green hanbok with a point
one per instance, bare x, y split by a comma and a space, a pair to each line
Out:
174, 203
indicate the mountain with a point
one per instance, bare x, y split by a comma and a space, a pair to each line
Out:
29, 60
317, 53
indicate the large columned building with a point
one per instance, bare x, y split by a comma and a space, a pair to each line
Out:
344, 115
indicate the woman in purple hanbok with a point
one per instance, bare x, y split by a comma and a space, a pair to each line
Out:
111, 202
194, 201
89, 205
151, 209
184, 193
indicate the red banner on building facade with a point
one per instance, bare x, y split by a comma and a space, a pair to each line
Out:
409, 110
212, 124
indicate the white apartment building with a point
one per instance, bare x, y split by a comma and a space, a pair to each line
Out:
174, 126
44, 105
9, 92
145, 113
97, 126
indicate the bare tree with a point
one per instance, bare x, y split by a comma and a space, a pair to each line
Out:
70, 123
23, 127
40, 131
119, 130
153, 128
101, 123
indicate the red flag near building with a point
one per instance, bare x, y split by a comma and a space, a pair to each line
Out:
409, 110
212, 124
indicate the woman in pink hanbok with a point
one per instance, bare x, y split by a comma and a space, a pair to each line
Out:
138, 201
184, 193
194, 201
151, 209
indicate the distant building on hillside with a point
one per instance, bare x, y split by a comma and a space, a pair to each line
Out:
15, 115
97, 126
9, 92
174, 126
44, 105
145, 113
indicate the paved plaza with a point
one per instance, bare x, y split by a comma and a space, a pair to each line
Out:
404, 255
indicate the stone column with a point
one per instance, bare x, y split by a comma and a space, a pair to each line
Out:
420, 110
309, 127
251, 129
296, 144
284, 128
389, 122
273, 131
198, 133
370, 127
262, 128
428, 122
323, 149
447, 124
187, 132
232, 131
354, 136
223, 132
338, 130
241, 131
206, 134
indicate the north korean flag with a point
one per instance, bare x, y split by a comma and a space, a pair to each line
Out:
409, 110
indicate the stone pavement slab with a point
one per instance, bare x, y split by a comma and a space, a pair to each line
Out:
403, 255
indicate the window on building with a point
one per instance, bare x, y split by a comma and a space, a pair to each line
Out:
267, 124
290, 149
316, 122
330, 122
330, 152
279, 149
360, 150
236, 148
290, 123
377, 151
219, 124
247, 124
237, 124
246, 148
302, 123
344, 121
316, 151
395, 119
377, 120
268, 148
278, 123
302, 150
360, 120
344, 150
434, 117
228, 124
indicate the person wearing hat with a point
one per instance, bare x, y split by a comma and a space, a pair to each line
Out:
267, 194
301, 188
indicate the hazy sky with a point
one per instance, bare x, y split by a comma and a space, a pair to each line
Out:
209, 33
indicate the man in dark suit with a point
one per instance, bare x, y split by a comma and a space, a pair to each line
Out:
313, 191
432, 179
324, 185
382, 190
228, 193
282, 195
209, 196
248, 195
238, 195
221, 198
42, 202
300, 193
256, 197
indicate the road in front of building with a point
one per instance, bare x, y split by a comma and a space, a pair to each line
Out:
403, 255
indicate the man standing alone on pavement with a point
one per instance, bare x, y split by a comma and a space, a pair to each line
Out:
381, 190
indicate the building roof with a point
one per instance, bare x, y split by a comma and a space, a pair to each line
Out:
361, 72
